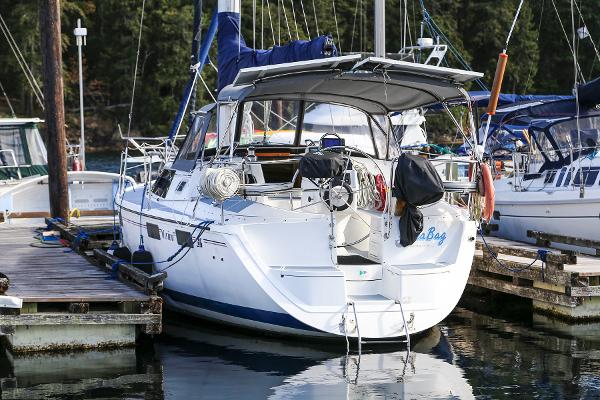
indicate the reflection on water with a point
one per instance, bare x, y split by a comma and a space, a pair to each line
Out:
469, 354
542, 358
238, 366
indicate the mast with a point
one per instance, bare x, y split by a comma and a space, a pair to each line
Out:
54, 107
229, 6
379, 28
80, 35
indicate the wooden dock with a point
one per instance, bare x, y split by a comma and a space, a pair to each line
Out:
561, 283
68, 302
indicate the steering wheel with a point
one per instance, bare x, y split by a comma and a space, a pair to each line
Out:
339, 195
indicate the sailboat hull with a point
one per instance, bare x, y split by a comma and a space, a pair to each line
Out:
279, 277
560, 212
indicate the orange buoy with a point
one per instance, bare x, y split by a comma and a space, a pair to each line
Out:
497, 86
488, 192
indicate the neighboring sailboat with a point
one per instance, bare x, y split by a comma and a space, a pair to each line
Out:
275, 218
555, 185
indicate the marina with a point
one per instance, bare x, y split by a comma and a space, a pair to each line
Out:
297, 200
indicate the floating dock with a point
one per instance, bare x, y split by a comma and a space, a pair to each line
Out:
561, 283
68, 301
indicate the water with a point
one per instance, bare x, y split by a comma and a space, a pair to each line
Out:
489, 348
105, 161
468, 355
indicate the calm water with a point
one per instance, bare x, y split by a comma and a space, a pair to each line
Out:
468, 355
511, 355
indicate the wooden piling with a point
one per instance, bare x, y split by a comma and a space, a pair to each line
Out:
54, 108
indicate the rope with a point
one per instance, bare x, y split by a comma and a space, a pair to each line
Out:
316, 20
336, 28
294, 15
512, 27
566, 36
287, 23
542, 255
537, 38
279, 22
353, 26
436, 31
305, 20
203, 226
22, 62
253, 24
219, 183
368, 195
12, 111
271, 22
137, 60
207, 89
588, 32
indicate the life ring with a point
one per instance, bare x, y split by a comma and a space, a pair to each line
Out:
488, 192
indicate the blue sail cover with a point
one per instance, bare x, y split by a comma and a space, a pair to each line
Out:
234, 54
482, 98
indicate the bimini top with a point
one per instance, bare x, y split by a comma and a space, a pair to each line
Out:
376, 85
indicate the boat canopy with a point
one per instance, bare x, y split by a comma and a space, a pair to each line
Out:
561, 140
22, 150
375, 85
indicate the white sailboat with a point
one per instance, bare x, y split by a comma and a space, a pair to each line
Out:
275, 218
555, 185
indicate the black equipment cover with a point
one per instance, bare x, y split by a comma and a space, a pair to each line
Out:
411, 226
326, 165
418, 183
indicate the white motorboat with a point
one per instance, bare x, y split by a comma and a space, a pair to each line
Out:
24, 179
258, 223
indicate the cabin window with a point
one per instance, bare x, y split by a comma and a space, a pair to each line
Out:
269, 122
589, 176
202, 133
380, 126
11, 148
162, 184
350, 124
191, 146
568, 138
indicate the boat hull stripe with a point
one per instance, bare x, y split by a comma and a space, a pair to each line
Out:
254, 314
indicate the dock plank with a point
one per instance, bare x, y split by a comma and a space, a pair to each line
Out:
55, 274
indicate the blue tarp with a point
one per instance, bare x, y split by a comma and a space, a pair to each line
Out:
234, 54
589, 93
482, 98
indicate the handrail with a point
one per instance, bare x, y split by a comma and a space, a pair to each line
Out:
14, 157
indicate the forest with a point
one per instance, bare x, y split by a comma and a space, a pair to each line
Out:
541, 49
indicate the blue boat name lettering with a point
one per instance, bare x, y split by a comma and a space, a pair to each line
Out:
433, 235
